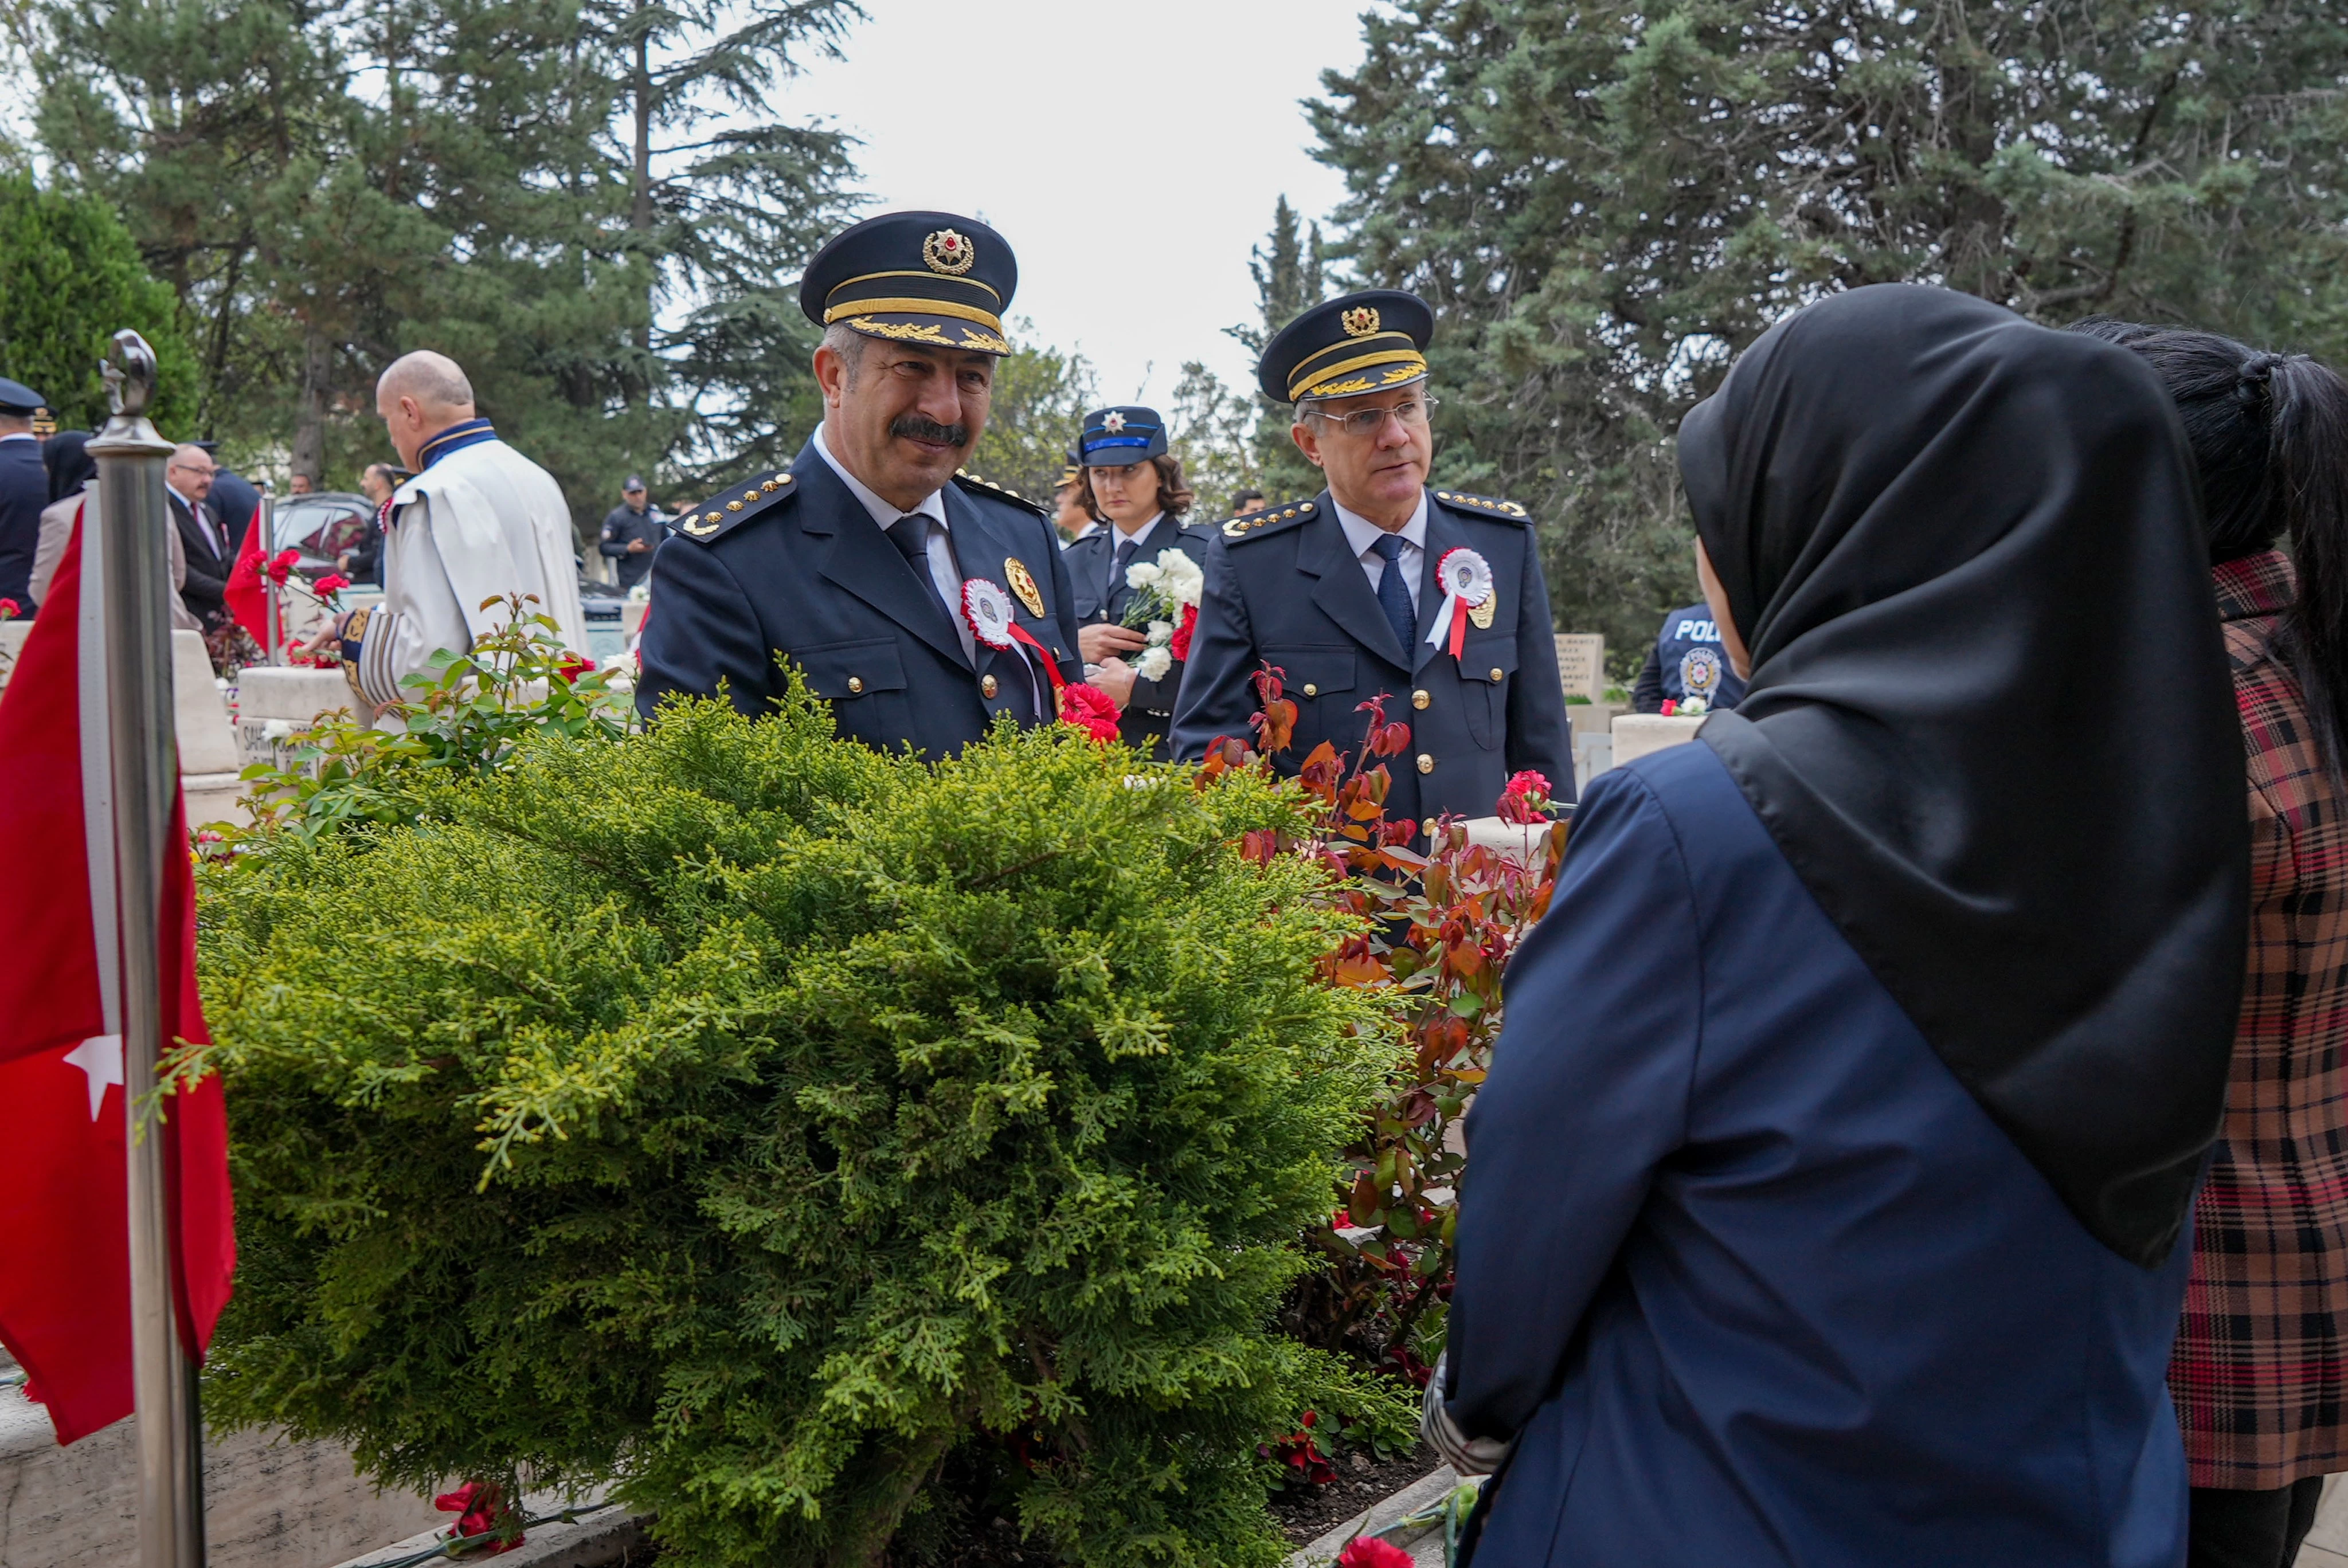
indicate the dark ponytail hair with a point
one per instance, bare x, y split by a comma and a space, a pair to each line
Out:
2269, 437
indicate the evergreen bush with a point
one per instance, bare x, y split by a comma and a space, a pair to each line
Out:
819, 1145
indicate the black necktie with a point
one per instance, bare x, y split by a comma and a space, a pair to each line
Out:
1393, 594
911, 535
1117, 592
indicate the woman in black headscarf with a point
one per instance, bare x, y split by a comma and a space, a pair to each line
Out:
1824, 1198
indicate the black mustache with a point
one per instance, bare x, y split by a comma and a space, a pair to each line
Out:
920, 427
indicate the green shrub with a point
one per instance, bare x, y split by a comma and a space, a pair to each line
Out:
775, 1128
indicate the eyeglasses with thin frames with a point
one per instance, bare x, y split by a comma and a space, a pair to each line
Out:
1366, 422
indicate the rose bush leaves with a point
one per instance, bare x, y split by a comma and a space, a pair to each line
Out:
774, 1128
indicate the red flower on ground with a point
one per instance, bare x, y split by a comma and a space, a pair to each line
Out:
477, 1505
1671, 706
1300, 1457
573, 667
1091, 709
1181, 645
1369, 1551
333, 582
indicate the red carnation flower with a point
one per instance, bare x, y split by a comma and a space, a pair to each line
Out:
281, 565
1091, 709
10, 609
1369, 1551
1181, 645
477, 1505
1525, 799
333, 582
1670, 707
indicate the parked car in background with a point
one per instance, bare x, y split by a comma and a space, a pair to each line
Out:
321, 526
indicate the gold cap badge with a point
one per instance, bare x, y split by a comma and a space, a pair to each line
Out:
949, 252
1359, 322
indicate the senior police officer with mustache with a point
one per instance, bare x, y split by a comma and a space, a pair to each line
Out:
853, 563
1349, 593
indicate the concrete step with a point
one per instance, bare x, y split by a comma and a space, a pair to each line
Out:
268, 1504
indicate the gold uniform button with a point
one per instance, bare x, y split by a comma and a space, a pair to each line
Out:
1497, 674
1420, 699
986, 686
1425, 764
1311, 689
855, 683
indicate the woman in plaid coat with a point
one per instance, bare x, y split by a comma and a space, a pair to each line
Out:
2260, 1374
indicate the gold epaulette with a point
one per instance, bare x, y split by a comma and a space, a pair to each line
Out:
1256, 524
972, 482
1482, 506
729, 509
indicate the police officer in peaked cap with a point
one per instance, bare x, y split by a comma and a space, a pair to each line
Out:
24, 490
1129, 476
1380, 585
861, 563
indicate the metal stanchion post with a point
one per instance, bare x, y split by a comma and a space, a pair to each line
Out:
273, 653
135, 563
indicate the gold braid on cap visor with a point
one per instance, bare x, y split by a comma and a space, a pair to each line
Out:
835, 309
1311, 380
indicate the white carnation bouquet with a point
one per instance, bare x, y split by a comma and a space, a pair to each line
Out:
1165, 605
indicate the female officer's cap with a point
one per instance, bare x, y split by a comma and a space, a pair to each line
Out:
1120, 438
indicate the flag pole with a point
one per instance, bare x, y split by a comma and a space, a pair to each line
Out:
135, 563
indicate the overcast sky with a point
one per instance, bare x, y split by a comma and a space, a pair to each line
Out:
1130, 155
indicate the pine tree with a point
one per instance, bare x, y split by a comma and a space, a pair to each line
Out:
1290, 275
69, 279
1605, 201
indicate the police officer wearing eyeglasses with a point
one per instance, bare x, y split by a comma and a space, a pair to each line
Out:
853, 564
1380, 584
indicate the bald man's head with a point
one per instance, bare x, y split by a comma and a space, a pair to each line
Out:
419, 395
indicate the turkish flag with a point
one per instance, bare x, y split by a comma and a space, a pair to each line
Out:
64, 1235
247, 596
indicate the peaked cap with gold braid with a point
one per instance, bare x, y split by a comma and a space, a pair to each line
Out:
1346, 346
930, 278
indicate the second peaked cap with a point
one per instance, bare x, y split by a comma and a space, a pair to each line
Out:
930, 278
1357, 343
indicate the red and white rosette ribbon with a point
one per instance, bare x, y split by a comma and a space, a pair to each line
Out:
992, 621
1465, 579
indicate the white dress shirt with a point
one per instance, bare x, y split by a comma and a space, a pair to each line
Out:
942, 570
1361, 534
204, 524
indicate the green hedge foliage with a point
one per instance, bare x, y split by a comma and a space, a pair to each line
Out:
818, 1145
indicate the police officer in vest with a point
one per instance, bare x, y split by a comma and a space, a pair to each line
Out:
1688, 659
1379, 584
873, 564
1129, 478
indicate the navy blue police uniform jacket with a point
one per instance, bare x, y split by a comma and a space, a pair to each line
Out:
803, 573
1684, 632
1285, 588
23, 492
1102, 596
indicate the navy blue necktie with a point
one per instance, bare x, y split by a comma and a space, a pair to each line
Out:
1393, 594
911, 535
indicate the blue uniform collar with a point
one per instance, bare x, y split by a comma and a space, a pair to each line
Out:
456, 438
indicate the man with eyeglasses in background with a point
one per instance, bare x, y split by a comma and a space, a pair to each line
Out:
1380, 585
188, 486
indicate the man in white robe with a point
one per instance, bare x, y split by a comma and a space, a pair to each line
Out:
478, 522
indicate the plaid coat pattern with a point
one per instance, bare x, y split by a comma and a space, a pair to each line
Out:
2259, 1373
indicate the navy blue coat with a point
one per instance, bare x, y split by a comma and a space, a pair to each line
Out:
1748, 1274
1683, 632
1101, 595
1284, 587
23, 492
803, 571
